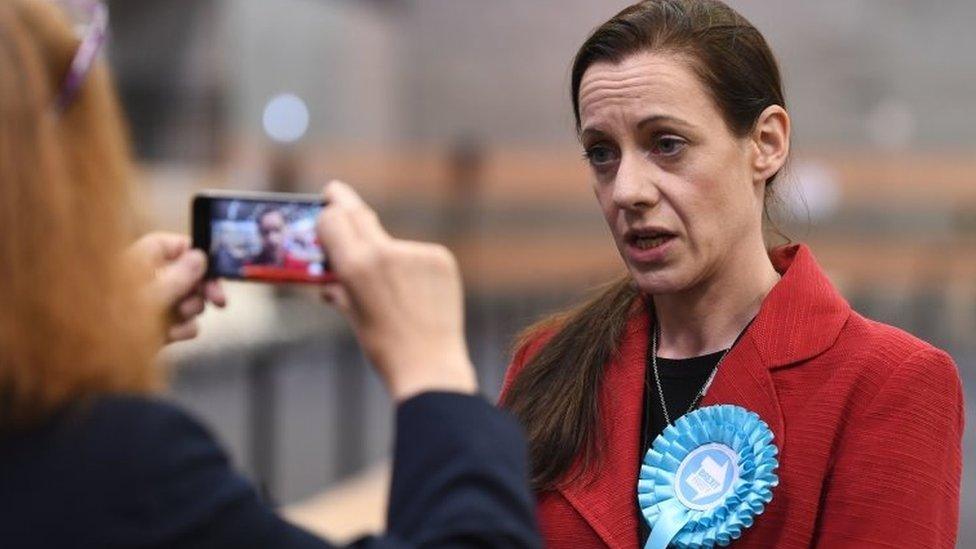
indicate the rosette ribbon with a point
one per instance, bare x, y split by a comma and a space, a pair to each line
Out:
707, 477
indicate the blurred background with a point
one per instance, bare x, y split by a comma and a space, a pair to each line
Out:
453, 118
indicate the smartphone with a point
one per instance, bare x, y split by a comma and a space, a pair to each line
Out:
263, 237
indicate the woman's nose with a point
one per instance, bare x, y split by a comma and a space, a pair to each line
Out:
634, 187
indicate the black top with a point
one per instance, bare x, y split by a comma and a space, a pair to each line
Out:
681, 380
135, 472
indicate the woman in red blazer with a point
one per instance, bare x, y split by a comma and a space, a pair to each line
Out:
680, 110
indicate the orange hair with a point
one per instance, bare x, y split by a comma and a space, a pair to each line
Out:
72, 324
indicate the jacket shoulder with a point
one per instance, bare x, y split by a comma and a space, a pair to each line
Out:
886, 343
118, 471
129, 434
160, 470
886, 350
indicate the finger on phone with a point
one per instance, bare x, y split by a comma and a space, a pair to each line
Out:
162, 248
191, 307
183, 332
173, 245
363, 219
179, 278
338, 236
341, 194
213, 292
368, 224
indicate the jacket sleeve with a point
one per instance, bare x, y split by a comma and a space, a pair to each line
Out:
459, 481
895, 478
173, 486
460, 476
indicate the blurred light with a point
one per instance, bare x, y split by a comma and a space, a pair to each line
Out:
815, 192
891, 124
286, 118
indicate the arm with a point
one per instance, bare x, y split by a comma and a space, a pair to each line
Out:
459, 481
460, 476
895, 478
171, 485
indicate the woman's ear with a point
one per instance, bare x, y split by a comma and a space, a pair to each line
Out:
771, 141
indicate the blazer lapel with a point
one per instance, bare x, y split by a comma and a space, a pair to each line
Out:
607, 497
744, 380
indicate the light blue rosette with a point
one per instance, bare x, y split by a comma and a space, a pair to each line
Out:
707, 477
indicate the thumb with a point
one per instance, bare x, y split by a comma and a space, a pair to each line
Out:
179, 277
170, 246
154, 250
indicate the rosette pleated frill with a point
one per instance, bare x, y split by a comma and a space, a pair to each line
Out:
707, 477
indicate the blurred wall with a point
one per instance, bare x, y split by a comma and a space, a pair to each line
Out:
341, 57
874, 72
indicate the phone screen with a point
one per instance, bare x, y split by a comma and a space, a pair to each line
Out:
265, 240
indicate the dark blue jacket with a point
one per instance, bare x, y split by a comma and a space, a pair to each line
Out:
134, 472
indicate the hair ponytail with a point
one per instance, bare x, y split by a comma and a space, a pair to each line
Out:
556, 394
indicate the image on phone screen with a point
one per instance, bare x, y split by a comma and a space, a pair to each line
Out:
265, 240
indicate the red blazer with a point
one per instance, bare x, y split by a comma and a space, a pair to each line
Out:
868, 421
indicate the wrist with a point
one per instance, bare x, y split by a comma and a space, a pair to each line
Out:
409, 377
463, 385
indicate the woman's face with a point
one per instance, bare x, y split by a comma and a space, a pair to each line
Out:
679, 191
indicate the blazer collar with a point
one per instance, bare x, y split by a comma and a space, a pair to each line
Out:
800, 318
803, 314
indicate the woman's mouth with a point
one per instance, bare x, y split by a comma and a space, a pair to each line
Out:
649, 242
648, 246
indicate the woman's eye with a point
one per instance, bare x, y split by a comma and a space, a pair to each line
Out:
669, 146
601, 156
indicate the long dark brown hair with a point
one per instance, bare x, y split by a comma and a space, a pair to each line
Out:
556, 394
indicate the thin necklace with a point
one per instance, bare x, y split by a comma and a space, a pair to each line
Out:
657, 376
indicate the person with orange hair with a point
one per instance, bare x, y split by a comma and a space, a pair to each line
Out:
89, 456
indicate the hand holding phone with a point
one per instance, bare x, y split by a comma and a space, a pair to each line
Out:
175, 287
403, 299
